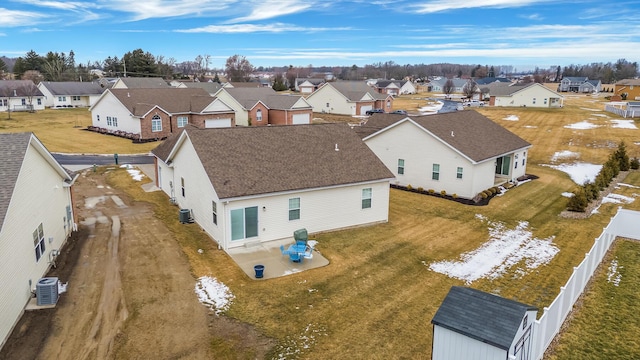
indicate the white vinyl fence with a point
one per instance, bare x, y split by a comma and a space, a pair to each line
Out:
625, 113
626, 223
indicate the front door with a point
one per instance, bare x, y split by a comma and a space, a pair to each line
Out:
244, 223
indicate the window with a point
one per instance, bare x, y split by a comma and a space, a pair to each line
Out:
39, 101
98, 117
327, 104
534, 100
109, 121
182, 121
388, 104
38, 242
62, 98
75, 98
244, 223
400, 166
459, 173
259, 115
545, 101
515, 164
435, 174
114, 121
214, 211
294, 209
182, 185
366, 198
156, 123
24, 101
525, 321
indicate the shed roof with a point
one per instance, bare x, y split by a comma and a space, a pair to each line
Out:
482, 316
469, 132
247, 161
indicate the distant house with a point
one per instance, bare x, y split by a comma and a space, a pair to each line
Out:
348, 98
437, 85
579, 84
524, 95
20, 95
210, 87
462, 153
140, 83
394, 87
70, 94
308, 85
152, 114
247, 185
471, 324
630, 88
264, 106
490, 80
36, 219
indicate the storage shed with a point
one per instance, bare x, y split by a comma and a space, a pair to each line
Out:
471, 324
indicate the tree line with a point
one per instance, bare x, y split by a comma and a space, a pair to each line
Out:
62, 66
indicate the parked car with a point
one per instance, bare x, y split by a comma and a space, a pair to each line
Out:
474, 103
375, 111
401, 112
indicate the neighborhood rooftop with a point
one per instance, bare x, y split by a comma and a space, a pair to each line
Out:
73, 88
172, 100
13, 148
482, 316
245, 161
469, 132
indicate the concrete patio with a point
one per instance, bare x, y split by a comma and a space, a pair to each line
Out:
275, 264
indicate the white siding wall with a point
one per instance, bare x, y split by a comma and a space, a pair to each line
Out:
531, 318
242, 116
48, 97
320, 210
38, 197
450, 345
338, 104
526, 98
110, 106
420, 151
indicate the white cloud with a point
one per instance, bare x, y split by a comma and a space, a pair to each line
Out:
12, 18
445, 5
149, 9
253, 28
269, 9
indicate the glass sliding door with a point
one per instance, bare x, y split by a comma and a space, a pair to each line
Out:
244, 223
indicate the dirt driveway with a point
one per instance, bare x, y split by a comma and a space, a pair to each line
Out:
130, 293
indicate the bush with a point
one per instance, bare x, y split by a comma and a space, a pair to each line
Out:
484, 195
421, 189
443, 192
455, 196
409, 187
578, 202
431, 191
634, 164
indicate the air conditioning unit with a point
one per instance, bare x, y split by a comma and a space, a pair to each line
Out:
47, 291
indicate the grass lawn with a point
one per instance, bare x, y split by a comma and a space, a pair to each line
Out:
63, 130
376, 298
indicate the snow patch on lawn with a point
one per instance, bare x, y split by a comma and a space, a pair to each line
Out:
294, 347
214, 294
615, 199
511, 118
583, 125
565, 154
580, 173
136, 174
623, 124
613, 276
506, 249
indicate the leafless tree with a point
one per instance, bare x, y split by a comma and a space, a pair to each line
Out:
238, 68
448, 88
470, 89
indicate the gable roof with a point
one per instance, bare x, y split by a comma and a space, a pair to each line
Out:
210, 87
13, 148
482, 316
18, 88
241, 161
248, 97
634, 82
575, 79
503, 89
144, 82
171, 100
356, 90
468, 132
73, 88
457, 83
489, 80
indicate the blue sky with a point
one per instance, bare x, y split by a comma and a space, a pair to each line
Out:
522, 33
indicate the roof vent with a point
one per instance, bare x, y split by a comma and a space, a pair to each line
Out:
337, 148
47, 291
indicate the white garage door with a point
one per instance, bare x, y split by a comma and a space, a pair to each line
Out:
306, 90
217, 123
364, 109
301, 119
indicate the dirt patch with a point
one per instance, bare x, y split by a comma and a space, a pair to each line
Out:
130, 293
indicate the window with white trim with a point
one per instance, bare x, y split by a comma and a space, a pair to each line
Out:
400, 166
109, 121
214, 211
183, 121
459, 173
259, 115
435, 172
156, 123
182, 186
294, 208
38, 242
114, 120
366, 198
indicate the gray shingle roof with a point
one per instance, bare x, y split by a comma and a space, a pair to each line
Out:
356, 90
210, 87
482, 316
634, 82
469, 132
73, 88
245, 161
490, 80
144, 83
173, 100
10, 88
248, 97
13, 148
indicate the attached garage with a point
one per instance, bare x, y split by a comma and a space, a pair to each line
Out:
217, 123
364, 109
301, 119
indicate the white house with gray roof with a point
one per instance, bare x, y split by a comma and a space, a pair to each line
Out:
248, 185
471, 324
20, 95
462, 153
353, 98
524, 95
70, 93
36, 218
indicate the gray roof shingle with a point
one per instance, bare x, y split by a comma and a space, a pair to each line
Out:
11, 88
173, 100
144, 82
13, 148
245, 161
73, 88
248, 97
482, 316
356, 90
471, 133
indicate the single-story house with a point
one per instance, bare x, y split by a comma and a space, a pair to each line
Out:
308, 85
472, 324
247, 185
70, 93
35, 196
209, 86
140, 83
394, 87
348, 98
491, 80
20, 95
259, 106
462, 153
524, 95
580, 84
152, 114
437, 85
630, 88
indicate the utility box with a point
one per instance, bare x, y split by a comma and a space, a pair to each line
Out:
185, 216
47, 291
